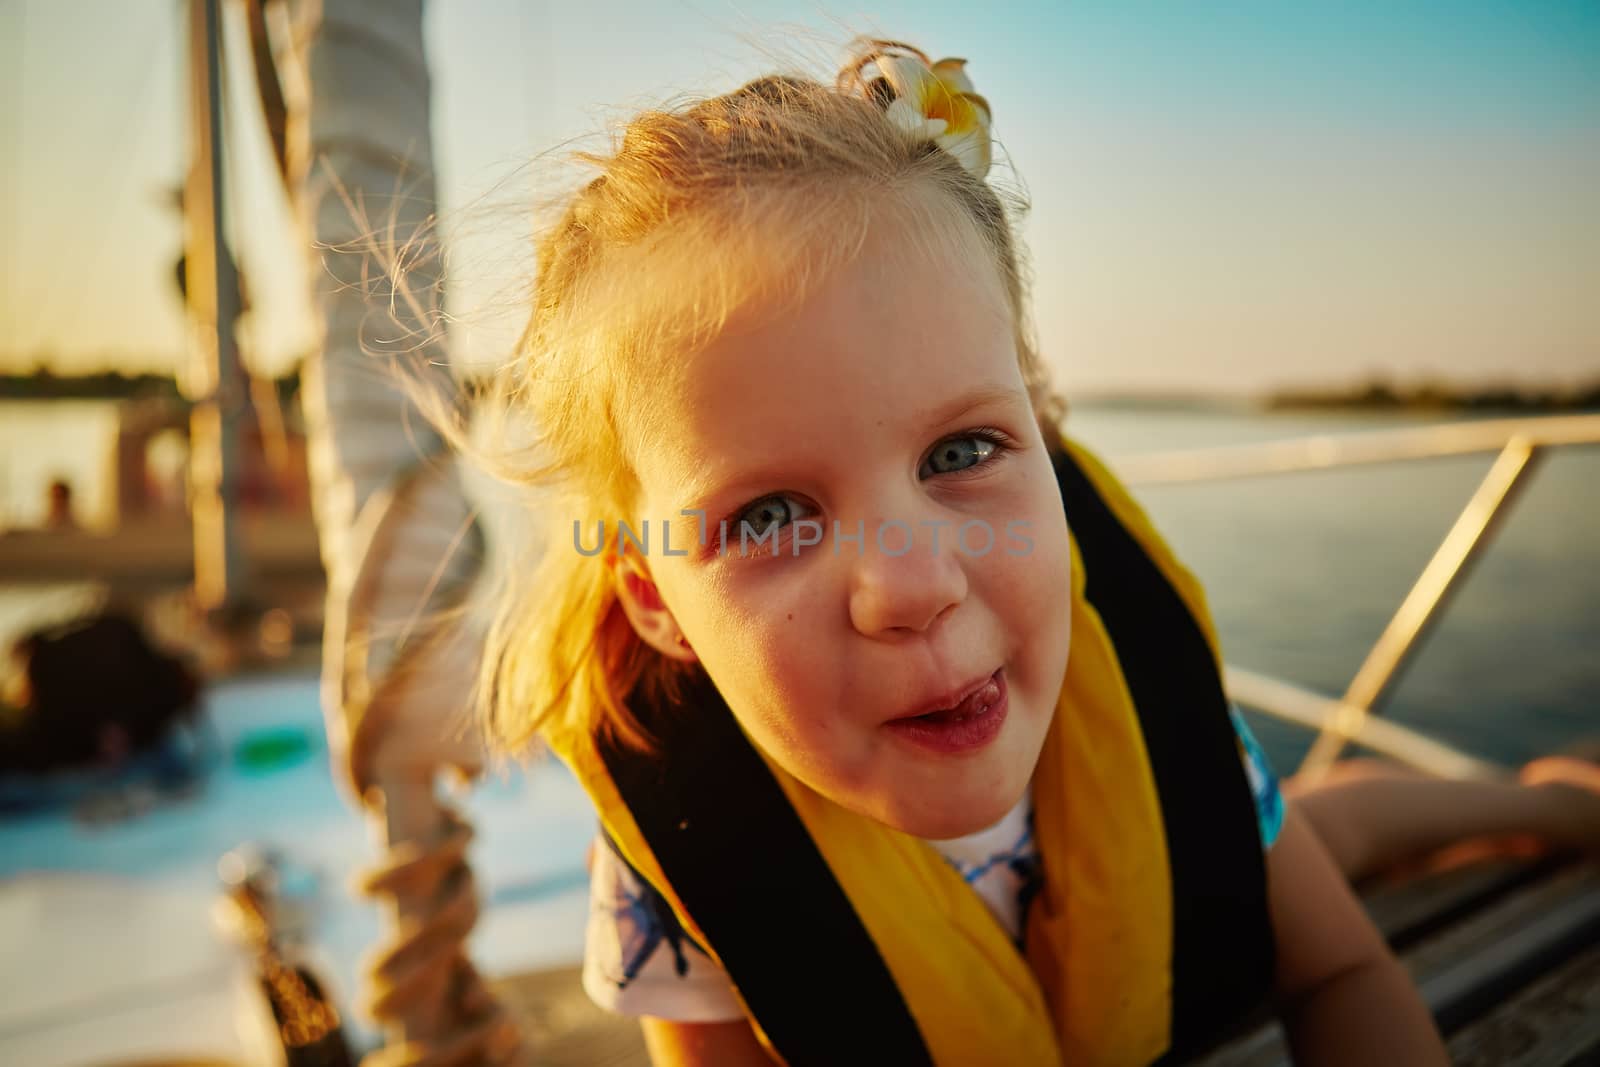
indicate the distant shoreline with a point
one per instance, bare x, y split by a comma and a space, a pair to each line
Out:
1371, 396
1368, 396
109, 385
1431, 397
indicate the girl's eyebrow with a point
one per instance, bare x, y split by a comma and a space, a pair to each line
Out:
983, 396
707, 495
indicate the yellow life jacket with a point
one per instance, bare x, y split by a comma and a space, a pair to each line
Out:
848, 941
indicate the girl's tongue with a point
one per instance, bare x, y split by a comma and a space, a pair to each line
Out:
976, 704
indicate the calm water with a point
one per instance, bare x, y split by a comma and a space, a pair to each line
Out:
1303, 571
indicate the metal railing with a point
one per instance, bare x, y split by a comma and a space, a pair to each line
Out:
1353, 718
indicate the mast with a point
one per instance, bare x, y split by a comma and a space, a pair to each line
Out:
212, 292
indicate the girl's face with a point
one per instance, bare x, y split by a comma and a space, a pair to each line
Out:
889, 404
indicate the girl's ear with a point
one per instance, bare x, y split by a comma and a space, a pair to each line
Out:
649, 615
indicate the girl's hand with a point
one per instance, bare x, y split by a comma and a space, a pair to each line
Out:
1343, 997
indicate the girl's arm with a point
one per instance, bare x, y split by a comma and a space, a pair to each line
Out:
675, 1044
1372, 815
1343, 997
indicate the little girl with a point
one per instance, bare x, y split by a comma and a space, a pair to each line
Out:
905, 730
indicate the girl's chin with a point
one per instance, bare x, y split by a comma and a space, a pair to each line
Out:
954, 815
958, 823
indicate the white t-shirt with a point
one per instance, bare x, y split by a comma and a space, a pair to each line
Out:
639, 961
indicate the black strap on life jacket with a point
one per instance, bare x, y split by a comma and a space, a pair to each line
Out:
744, 865
1222, 946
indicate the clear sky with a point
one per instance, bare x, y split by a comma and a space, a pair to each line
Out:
1226, 196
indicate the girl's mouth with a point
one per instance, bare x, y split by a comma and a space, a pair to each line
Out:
967, 727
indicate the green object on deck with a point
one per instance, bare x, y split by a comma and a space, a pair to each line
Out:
271, 749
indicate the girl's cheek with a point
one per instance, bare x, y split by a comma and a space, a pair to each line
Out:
1040, 559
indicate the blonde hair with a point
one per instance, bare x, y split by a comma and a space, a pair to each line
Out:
724, 203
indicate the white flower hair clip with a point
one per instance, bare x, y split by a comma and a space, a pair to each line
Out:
927, 99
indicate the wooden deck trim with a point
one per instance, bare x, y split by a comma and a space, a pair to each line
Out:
1486, 960
1552, 1023
1496, 934
1411, 911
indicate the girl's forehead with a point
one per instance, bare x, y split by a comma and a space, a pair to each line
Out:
891, 345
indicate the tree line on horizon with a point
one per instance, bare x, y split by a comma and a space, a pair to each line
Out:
1375, 393
1380, 393
44, 384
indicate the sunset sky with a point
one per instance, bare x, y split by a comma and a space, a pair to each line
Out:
1226, 196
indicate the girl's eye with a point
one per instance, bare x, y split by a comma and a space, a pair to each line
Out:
765, 513
758, 530
956, 454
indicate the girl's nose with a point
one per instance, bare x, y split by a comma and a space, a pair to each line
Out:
905, 579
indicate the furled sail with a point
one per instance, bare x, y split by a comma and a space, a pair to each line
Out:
398, 538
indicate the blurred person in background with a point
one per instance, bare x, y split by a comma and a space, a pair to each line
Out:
95, 705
